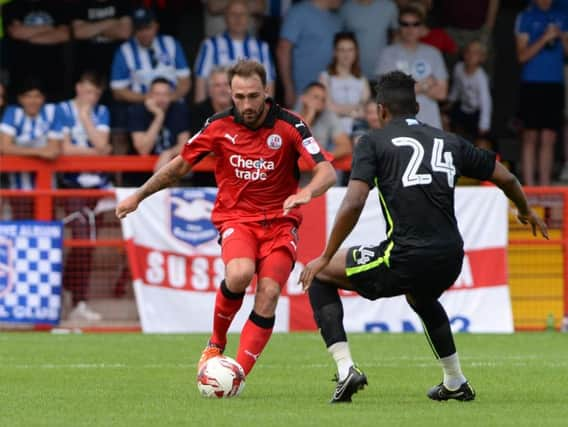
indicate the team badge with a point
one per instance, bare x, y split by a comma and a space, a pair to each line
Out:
274, 141
311, 145
190, 215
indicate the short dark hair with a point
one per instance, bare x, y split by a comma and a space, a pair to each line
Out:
163, 80
92, 77
413, 9
395, 91
247, 68
314, 84
31, 83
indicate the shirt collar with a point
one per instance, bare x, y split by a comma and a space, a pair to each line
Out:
269, 120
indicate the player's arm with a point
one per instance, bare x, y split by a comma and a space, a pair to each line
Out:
163, 178
507, 182
322, 179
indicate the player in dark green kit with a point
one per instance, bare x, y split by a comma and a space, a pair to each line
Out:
414, 167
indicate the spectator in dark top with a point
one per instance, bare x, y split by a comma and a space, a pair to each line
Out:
542, 41
2, 98
219, 100
99, 26
466, 21
159, 126
37, 31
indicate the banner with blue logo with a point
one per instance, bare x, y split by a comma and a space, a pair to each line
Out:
31, 256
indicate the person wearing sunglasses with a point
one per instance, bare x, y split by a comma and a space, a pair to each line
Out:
424, 63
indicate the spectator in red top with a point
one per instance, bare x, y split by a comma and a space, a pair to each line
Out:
434, 35
257, 145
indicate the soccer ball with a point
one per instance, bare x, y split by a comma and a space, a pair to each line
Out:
221, 377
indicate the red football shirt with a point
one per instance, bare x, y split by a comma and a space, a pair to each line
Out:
257, 169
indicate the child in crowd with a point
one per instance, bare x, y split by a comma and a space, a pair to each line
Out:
470, 97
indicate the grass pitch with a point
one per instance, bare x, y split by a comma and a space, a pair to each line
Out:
149, 380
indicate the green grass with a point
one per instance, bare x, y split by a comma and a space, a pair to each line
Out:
149, 380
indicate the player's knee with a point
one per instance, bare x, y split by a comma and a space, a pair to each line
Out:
237, 280
266, 299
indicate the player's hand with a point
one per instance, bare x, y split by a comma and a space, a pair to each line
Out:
300, 198
126, 206
535, 222
311, 270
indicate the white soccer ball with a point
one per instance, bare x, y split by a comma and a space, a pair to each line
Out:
221, 377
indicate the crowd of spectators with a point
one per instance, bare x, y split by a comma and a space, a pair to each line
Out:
155, 91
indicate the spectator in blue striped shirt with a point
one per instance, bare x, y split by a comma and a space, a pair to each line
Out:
145, 57
33, 129
85, 125
226, 48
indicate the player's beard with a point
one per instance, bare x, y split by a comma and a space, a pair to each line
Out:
251, 117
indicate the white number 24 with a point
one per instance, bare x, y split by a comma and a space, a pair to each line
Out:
445, 165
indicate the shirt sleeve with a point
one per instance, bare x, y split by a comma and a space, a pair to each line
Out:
204, 60
307, 146
521, 25
364, 167
7, 125
476, 162
485, 102
65, 118
292, 25
438, 65
182, 69
104, 118
119, 75
55, 130
199, 145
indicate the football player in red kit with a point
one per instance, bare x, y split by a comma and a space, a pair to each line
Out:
257, 145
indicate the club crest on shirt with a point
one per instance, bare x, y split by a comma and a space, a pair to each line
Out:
190, 215
274, 141
6, 269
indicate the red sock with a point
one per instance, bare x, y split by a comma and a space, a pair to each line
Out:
254, 337
227, 304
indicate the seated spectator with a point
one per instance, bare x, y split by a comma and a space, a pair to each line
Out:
470, 97
219, 99
325, 125
33, 129
145, 57
99, 26
373, 22
348, 90
306, 45
370, 122
37, 33
86, 126
159, 126
424, 63
226, 48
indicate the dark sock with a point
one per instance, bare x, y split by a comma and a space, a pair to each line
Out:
436, 326
328, 311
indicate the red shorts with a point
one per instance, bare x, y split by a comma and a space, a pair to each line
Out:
272, 246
